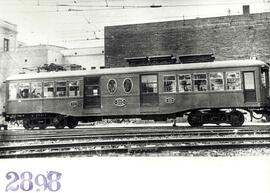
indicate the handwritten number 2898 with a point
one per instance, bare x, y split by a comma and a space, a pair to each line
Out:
27, 183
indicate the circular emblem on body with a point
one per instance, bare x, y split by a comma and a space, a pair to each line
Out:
74, 104
120, 102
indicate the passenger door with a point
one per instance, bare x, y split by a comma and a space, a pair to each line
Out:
91, 93
149, 90
249, 87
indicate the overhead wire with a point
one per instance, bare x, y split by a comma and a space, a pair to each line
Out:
86, 6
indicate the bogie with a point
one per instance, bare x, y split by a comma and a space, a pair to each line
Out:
198, 118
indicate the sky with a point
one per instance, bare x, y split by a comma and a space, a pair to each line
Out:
80, 23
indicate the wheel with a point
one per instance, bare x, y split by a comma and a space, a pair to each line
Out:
42, 127
26, 124
236, 118
72, 122
195, 119
59, 122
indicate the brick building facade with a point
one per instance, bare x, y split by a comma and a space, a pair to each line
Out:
230, 37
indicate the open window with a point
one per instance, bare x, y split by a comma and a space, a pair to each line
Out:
48, 89
200, 82
184, 83
169, 84
216, 81
74, 88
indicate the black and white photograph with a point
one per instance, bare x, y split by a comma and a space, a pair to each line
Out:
135, 96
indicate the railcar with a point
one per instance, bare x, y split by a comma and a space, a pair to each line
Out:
209, 92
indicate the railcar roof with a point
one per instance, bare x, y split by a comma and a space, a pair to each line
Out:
140, 69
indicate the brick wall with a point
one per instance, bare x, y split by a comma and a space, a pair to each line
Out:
230, 37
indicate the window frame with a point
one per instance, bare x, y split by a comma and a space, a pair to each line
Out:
31, 89
175, 83
69, 86
15, 93
206, 79
240, 81
56, 87
223, 81
91, 84
130, 87
191, 82
53, 86
155, 83
19, 91
6, 45
115, 87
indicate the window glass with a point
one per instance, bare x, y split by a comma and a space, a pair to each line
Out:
184, 82
128, 85
233, 81
169, 83
91, 90
200, 82
12, 91
149, 83
249, 80
264, 78
74, 88
112, 85
216, 81
48, 89
61, 89
23, 90
36, 89
92, 86
6, 45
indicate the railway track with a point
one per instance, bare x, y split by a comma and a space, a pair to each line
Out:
132, 146
83, 142
37, 135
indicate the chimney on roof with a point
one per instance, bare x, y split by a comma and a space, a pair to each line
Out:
246, 10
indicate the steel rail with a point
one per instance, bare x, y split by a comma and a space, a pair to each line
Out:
124, 135
4, 137
133, 151
132, 129
131, 142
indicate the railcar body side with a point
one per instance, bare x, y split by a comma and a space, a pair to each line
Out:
151, 92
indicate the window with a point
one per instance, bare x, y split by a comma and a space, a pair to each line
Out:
6, 45
127, 85
264, 78
169, 83
12, 89
74, 88
111, 86
36, 89
61, 89
216, 81
249, 80
149, 84
233, 81
23, 90
200, 82
184, 82
48, 89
